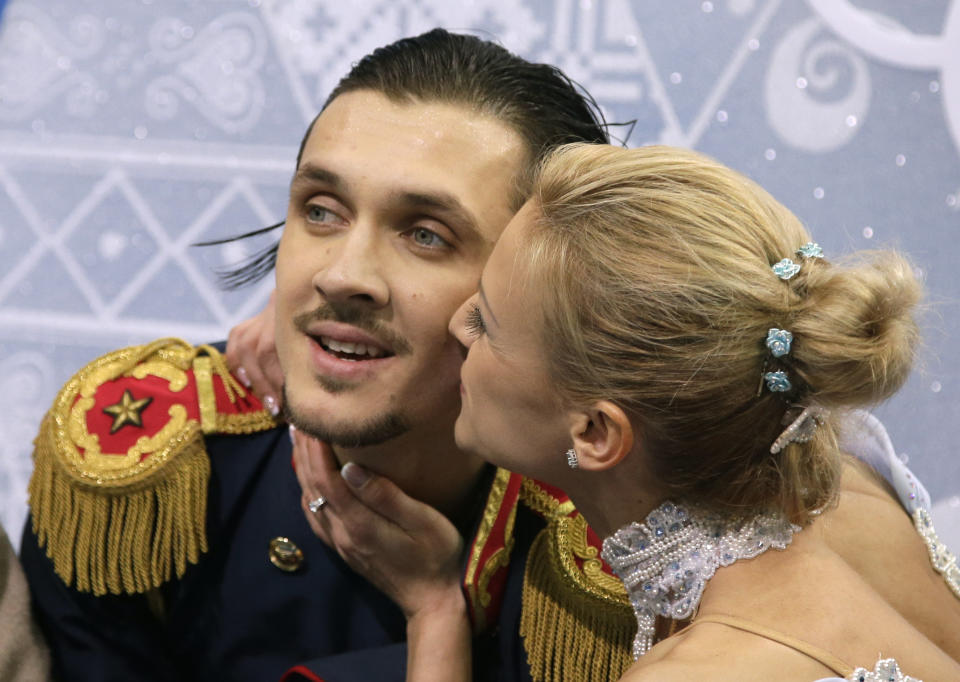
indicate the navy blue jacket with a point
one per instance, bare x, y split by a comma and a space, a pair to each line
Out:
234, 615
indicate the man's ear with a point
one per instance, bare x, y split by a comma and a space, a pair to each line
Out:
602, 435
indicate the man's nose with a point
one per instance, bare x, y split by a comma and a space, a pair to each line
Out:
354, 270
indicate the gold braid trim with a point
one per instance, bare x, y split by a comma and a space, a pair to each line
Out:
542, 502
246, 422
122, 523
123, 540
569, 633
205, 367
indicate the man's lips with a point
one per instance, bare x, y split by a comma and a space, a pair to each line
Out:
343, 366
348, 342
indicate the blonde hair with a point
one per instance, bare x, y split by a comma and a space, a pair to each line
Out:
655, 264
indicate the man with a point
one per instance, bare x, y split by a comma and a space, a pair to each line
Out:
167, 540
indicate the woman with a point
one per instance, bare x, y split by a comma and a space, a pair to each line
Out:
657, 336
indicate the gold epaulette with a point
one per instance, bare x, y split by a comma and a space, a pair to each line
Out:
576, 620
118, 495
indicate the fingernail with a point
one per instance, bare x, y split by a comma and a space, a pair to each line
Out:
354, 474
242, 376
293, 431
271, 404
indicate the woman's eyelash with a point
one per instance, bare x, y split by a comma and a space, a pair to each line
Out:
474, 322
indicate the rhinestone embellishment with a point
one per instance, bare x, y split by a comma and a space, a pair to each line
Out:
886, 670
943, 560
666, 561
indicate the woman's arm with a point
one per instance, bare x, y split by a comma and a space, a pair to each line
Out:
438, 643
408, 550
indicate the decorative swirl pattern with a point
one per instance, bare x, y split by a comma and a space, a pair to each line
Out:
37, 63
881, 38
217, 71
797, 70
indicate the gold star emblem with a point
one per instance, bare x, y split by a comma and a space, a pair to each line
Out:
127, 411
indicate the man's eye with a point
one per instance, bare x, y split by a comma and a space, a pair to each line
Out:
320, 214
428, 238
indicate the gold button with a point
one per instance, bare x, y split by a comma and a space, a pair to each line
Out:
285, 555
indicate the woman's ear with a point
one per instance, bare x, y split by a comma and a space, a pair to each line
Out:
602, 436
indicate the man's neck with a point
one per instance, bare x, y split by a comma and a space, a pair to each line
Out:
426, 465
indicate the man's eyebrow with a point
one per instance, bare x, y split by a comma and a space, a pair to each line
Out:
486, 303
441, 201
309, 173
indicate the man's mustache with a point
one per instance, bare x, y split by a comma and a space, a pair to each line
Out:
358, 317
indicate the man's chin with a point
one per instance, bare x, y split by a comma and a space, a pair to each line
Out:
356, 433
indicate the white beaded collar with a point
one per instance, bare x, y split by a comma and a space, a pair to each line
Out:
666, 561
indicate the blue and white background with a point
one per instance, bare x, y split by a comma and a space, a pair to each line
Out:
130, 129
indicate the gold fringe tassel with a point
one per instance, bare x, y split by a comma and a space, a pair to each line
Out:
124, 540
568, 634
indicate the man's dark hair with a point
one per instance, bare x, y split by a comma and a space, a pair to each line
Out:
537, 100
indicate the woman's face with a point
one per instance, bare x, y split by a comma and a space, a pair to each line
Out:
510, 414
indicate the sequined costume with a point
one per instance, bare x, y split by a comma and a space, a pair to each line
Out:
666, 560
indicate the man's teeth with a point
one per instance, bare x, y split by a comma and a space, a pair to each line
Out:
351, 348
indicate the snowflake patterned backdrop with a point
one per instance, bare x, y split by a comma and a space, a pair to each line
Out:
130, 129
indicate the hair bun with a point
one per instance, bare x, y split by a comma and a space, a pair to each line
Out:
857, 336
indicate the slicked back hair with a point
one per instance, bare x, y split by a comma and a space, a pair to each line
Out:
538, 101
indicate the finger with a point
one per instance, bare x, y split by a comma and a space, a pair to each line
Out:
251, 356
328, 525
314, 519
261, 386
234, 352
302, 465
317, 472
320, 471
253, 378
235, 345
383, 495
267, 357
353, 526
244, 378
273, 377
319, 521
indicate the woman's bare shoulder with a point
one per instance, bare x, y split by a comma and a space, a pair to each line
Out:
712, 651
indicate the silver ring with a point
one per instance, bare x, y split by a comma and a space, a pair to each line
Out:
317, 504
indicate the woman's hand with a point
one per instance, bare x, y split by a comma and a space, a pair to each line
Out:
407, 549
252, 357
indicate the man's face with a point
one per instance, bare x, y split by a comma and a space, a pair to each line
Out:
393, 211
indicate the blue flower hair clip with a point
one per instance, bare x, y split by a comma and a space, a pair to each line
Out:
786, 269
777, 382
778, 341
810, 250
